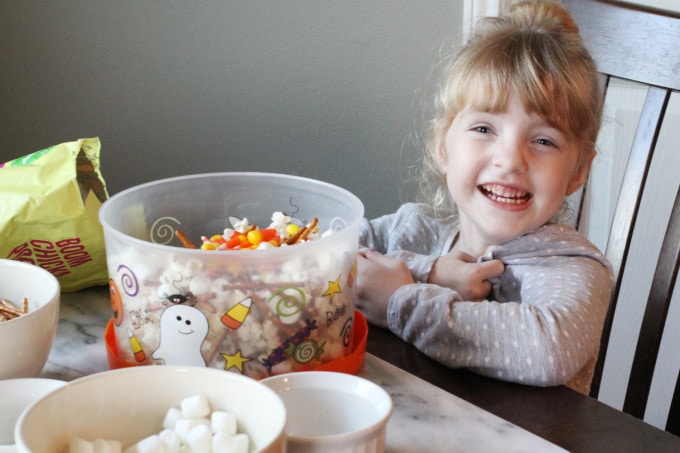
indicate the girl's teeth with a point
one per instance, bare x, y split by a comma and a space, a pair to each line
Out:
505, 195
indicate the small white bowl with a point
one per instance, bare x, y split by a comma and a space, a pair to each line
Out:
15, 396
333, 412
26, 341
130, 404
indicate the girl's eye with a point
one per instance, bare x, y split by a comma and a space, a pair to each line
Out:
546, 142
481, 129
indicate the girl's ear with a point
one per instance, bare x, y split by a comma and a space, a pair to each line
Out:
581, 174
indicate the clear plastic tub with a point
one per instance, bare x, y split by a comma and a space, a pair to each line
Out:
257, 312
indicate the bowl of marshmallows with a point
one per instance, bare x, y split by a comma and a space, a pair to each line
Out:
156, 409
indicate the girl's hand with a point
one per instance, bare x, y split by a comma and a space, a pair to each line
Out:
462, 273
378, 277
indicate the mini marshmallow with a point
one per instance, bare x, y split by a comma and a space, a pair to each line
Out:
241, 443
195, 406
222, 442
226, 443
217, 434
200, 439
78, 445
223, 422
171, 439
151, 444
184, 426
107, 446
171, 418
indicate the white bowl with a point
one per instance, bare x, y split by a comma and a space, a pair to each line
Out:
130, 404
26, 341
15, 396
333, 412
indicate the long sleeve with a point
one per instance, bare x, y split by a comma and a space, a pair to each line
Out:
411, 235
544, 326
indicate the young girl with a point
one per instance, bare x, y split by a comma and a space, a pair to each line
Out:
498, 287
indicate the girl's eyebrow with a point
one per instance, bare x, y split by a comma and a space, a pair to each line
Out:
539, 121
468, 112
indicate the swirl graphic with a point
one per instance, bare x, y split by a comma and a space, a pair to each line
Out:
293, 205
287, 302
306, 351
338, 224
163, 230
128, 281
346, 332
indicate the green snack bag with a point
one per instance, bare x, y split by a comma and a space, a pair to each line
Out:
49, 203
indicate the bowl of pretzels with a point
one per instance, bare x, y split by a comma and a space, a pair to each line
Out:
29, 314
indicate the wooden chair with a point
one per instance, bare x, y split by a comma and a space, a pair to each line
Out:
638, 49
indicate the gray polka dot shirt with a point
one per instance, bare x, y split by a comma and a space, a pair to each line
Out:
543, 321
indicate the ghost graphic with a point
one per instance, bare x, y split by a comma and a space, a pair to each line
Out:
182, 330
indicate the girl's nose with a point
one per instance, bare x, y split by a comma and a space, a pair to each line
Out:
510, 156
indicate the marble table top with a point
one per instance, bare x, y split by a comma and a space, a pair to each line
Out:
425, 418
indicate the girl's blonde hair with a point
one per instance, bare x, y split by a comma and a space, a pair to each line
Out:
534, 51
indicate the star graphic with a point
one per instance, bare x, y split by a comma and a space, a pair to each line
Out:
333, 288
235, 360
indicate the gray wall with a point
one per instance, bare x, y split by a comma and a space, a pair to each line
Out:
328, 90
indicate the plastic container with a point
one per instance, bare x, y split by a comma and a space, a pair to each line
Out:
257, 312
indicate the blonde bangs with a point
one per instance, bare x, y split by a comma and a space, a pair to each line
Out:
545, 79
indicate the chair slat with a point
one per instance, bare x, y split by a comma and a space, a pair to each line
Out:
628, 204
654, 319
673, 421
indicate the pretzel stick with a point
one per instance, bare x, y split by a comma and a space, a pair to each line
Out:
216, 345
308, 230
302, 232
10, 311
288, 330
9, 308
184, 240
256, 286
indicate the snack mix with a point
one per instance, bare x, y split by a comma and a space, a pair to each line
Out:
257, 316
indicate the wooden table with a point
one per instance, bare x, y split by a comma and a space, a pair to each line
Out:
560, 415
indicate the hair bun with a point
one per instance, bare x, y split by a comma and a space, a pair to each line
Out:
546, 16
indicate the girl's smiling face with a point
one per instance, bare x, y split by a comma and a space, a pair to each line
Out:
508, 173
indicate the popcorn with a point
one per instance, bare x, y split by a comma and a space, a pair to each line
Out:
200, 284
